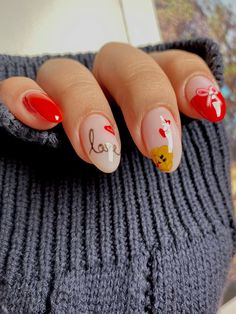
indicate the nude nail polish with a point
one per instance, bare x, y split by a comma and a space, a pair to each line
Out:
100, 142
206, 98
162, 139
38, 102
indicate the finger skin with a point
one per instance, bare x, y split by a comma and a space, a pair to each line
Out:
29, 103
139, 87
88, 119
198, 94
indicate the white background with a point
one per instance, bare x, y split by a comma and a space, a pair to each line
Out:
31, 27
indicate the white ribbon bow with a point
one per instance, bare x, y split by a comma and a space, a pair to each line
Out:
208, 92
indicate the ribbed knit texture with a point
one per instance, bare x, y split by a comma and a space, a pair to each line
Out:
76, 240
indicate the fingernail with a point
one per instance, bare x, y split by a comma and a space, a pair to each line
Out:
162, 139
39, 102
100, 142
206, 98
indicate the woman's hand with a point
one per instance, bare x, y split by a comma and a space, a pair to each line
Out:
151, 90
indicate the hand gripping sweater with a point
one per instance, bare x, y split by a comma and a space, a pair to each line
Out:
76, 240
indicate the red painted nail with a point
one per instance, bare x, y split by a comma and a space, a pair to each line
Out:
42, 104
206, 98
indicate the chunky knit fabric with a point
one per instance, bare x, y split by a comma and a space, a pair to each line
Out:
76, 240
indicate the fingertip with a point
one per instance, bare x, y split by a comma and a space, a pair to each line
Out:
197, 92
205, 97
29, 103
39, 103
101, 142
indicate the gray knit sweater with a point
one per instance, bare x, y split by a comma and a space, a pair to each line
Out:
76, 240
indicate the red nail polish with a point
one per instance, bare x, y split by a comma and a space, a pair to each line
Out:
42, 104
206, 98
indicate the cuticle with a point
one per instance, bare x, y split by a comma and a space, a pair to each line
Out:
84, 117
186, 81
157, 107
28, 91
81, 119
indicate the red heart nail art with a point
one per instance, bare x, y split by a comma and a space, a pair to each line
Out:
109, 129
162, 132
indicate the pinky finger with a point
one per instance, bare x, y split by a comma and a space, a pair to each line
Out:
29, 103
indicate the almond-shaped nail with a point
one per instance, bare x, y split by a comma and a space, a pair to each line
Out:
38, 102
206, 98
162, 139
100, 142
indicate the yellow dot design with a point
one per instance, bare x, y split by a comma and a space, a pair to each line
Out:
162, 158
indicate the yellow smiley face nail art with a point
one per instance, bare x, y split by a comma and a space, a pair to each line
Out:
162, 139
162, 158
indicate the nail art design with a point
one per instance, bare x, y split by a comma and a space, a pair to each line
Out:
109, 129
206, 98
213, 99
38, 102
106, 147
166, 133
99, 140
162, 139
163, 156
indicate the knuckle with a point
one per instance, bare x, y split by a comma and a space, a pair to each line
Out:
140, 71
111, 45
101, 55
79, 87
183, 59
76, 86
142, 80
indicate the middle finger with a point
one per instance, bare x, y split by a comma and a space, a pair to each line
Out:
147, 100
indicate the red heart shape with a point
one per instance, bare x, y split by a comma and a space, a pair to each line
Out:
209, 113
162, 132
109, 129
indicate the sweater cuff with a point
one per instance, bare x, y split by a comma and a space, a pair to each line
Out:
27, 66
